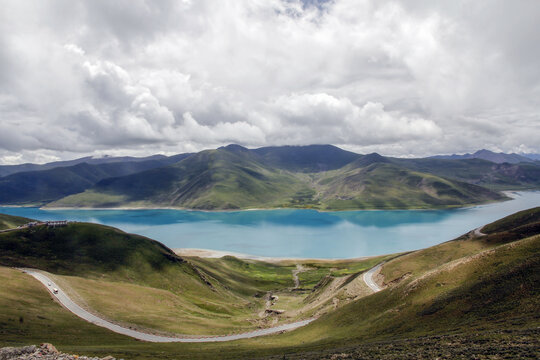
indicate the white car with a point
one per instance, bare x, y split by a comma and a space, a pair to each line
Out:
55, 291
48, 284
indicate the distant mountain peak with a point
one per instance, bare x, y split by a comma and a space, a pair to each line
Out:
488, 155
373, 158
234, 148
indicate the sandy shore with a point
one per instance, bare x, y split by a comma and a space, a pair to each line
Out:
205, 253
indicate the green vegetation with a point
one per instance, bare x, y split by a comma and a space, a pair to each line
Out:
381, 185
482, 291
480, 172
41, 187
513, 222
11, 222
237, 178
102, 266
147, 269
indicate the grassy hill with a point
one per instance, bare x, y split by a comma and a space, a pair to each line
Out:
10, 222
211, 179
373, 182
43, 186
237, 178
233, 177
485, 173
101, 267
472, 297
310, 158
163, 160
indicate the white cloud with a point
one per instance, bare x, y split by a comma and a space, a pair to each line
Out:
402, 78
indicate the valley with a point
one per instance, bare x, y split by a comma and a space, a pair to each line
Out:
477, 283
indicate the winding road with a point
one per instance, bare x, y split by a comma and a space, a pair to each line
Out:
66, 301
69, 304
478, 232
368, 278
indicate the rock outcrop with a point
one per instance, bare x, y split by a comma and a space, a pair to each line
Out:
43, 352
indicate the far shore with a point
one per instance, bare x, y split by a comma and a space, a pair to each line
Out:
215, 254
510, 194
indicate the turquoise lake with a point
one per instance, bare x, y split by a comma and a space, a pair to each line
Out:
296, 233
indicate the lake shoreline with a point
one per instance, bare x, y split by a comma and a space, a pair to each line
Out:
135, 208
297, 233
216, 254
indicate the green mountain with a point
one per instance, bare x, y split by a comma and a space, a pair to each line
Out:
6, 170
504, 176
234, 177
43, 186
213, 179
372, 182
484, 154
310, 158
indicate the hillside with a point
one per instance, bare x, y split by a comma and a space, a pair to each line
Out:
475, 296
212, 179
43, 186
234, 177
479, 172
6, 170
372, 182
310, 158
487, 155
101, 267
10, 222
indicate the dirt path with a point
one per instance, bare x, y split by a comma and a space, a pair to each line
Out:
295, 272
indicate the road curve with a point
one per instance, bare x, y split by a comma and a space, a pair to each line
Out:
368, 278
478, 232
66, 301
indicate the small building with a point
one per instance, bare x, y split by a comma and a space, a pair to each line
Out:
56, 223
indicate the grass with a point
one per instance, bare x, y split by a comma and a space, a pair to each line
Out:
11, 222
455, 290
522, 218
162, 310
232, 178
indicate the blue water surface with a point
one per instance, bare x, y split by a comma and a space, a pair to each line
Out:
296, 233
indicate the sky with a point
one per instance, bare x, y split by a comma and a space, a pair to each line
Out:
401, 78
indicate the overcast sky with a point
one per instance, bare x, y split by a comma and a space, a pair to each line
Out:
409, 78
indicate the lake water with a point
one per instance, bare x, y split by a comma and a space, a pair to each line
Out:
296, 233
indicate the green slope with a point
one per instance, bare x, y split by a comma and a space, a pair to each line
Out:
473, 297
11, 222
41, 187
372, 182
212, 179
460, 286
310, 158
480, 172
237, 178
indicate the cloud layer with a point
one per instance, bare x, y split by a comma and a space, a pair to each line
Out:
140, 77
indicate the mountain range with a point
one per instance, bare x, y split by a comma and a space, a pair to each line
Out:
322, 177
498, 158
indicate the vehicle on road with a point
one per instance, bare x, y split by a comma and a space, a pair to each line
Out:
55, 291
